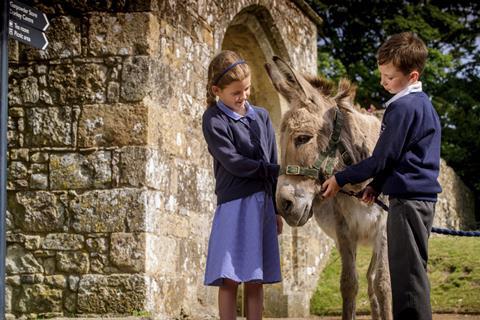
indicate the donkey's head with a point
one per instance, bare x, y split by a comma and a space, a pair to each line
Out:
314, 138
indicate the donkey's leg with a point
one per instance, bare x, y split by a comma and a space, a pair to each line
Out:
382, 285
371, 287
347, 245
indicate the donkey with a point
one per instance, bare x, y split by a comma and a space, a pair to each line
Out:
320, 134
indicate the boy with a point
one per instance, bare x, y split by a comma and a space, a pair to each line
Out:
405, 166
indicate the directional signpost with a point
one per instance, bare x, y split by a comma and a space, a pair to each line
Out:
27, 25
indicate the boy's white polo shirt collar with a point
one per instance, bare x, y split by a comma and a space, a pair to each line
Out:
414, 87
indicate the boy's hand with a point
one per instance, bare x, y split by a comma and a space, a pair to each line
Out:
331, 187
369, 195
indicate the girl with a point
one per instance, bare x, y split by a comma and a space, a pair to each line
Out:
243, 245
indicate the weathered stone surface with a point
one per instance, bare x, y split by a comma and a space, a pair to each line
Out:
118, 293
128, 251
99, 245
106, 211
112, 125
57, 281
39, 298
39, 157
79, 171
136, 72
32, 278
18, 154
39, 181
98, 263
92, 83
144, 166
455, 207
118, 34
29, 89
20, 261
17, 170
73, 262
73, 282
63, 241
50, 126
113, 92
32, 242
37, 211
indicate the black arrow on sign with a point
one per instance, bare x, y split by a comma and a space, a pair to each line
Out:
28, 15
27, 35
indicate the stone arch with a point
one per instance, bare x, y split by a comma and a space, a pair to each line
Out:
253, 34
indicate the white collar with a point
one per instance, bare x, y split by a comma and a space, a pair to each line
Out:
414, 87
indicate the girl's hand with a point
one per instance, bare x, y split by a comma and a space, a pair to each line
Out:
369, 195
331, 187
279, 224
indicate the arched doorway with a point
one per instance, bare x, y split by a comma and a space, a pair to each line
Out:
254, 36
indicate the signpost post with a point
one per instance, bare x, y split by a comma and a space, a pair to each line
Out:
3, 143
27, 25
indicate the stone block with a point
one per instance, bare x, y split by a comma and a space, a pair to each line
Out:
62, 83
119, 34
112, 125
38, 298
17, 170
98, 263
106, 210
116, 293
18, 154
49, 127
39, 181
79, 171
32, 242
162, 255
63, 242
136, 73
113, 92
97, 245
38, 211
144, 166
19, 261
57, 281
39, 157
127, 251
29, 89
73, 262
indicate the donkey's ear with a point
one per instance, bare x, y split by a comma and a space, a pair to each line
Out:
345, 95
285, 79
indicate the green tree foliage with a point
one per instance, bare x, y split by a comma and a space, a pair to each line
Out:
347, 47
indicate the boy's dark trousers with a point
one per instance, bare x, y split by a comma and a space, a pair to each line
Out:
408, 228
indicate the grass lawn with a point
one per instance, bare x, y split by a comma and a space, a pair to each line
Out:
454, 271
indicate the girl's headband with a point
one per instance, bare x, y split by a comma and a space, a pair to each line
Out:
230, 67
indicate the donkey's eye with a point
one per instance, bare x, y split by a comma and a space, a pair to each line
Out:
302, 140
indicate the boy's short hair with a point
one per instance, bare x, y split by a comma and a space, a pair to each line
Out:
405, 50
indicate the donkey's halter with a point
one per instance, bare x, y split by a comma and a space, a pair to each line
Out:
326, 160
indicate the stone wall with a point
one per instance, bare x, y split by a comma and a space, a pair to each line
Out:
110, 186
455, 208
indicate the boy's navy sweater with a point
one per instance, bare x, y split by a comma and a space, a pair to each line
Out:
406, 158
244, 153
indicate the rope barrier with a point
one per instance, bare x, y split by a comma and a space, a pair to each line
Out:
450, 232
